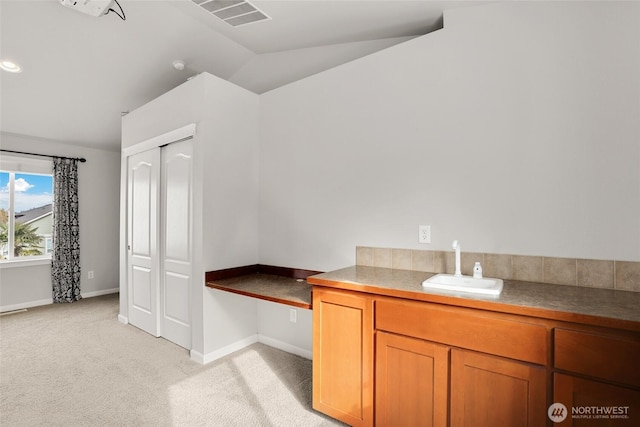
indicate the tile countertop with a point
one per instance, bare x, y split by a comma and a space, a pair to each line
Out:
599, 307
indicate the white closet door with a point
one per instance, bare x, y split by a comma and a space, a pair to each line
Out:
143, 171
175, 311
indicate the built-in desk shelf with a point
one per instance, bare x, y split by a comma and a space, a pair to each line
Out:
278, 284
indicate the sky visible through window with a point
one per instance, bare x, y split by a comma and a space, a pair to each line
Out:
31, 191
31, 232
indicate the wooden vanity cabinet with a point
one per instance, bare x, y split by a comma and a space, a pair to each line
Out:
419, 345
413, 386
389, 361
597, 375
343, 355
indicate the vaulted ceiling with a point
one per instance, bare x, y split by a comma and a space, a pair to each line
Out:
81, 72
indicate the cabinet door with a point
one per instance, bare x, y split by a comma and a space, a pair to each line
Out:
343, 356
492, 391
592, 403
411, 381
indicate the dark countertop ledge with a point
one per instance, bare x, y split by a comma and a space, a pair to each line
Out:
270, 287
595, 306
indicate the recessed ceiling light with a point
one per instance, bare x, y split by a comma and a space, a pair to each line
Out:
10, 66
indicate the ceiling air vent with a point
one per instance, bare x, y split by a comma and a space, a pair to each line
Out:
233, 12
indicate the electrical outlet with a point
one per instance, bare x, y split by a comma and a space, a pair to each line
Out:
90, 274
424, 234
293, 315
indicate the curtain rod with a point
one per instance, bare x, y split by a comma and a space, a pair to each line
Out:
80, 159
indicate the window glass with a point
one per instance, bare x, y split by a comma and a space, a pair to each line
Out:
29, 198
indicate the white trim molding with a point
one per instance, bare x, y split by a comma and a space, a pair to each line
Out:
185, 132
29, 304
203, 359
101, 292
38, 303
281, 345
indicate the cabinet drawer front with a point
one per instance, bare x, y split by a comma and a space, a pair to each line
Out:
470, 329
608, 357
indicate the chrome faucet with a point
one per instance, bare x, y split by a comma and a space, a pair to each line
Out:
456, 247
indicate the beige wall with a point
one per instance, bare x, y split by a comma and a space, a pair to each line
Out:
514, 130
98, 192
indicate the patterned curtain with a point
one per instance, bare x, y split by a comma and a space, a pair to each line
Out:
65, 262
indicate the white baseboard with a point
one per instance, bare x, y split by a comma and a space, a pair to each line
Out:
281, 345
38, 303
101, 292
123, 319
203, 359
29, 304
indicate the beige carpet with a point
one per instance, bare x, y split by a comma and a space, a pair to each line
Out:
76, 365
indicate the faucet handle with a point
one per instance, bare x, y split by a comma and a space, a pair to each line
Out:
477, 270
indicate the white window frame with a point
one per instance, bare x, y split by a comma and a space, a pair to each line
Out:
25, 165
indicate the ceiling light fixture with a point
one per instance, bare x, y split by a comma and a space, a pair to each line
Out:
95, 7
178, 65
10, 66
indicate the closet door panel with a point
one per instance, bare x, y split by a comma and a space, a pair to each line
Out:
143, 171
176, 242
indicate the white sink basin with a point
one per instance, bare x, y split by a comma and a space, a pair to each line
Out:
449, 282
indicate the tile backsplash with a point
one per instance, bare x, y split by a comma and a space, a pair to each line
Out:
621, 275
